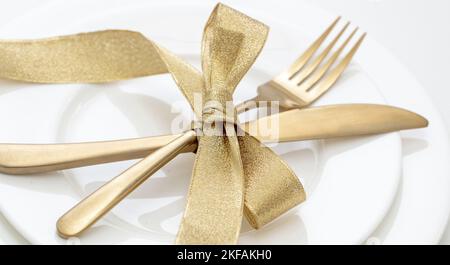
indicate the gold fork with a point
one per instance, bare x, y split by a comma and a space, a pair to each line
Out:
306, 80
296, 87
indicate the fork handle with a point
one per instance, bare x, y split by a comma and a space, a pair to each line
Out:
93, 207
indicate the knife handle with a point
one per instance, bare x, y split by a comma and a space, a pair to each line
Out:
93, 207
38, 158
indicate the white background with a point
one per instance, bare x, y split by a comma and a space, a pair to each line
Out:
417, 32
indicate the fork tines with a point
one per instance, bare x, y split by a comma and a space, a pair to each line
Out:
307, 71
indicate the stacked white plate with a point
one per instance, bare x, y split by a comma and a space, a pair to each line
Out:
391, 188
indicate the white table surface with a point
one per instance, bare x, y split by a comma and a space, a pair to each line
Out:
417, 32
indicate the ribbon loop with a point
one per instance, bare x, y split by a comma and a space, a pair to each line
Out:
231, 43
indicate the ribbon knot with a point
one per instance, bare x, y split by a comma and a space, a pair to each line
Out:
218, 120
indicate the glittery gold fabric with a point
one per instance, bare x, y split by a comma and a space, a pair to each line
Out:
233, 175
232, 171
101, 56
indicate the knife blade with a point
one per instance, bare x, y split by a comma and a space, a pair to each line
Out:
334, 121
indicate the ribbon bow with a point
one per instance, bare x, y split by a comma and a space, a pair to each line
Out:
232, 174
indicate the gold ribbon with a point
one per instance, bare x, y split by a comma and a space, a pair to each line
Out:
232, 174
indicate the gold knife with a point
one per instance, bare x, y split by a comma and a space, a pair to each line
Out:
313, 123
294, 125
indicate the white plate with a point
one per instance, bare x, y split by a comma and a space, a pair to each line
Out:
407, 221
351, 183
8, 235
